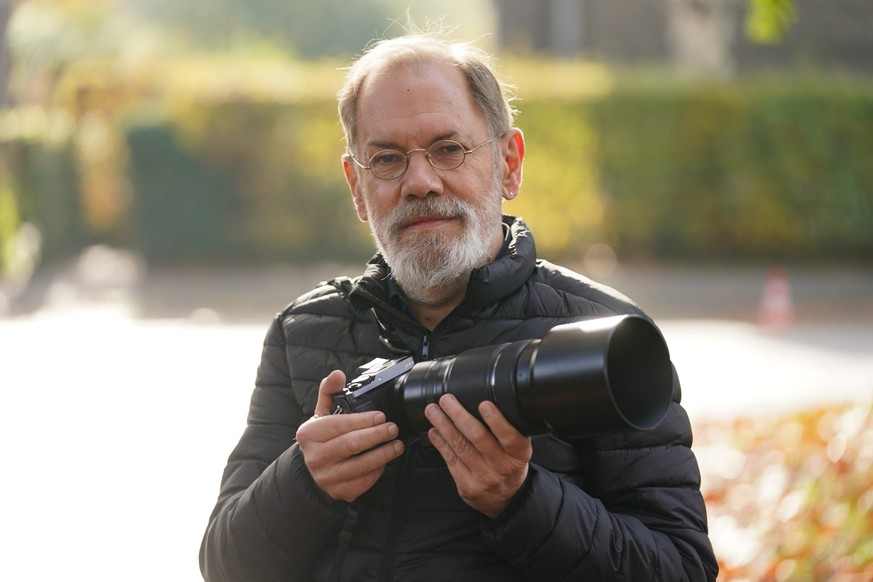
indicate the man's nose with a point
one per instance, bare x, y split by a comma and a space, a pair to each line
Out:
421, 178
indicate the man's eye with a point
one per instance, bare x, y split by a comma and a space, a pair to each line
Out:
386, 159
448, 150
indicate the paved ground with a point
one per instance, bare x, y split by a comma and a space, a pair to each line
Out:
121, 395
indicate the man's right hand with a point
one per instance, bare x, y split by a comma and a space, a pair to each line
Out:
346, 453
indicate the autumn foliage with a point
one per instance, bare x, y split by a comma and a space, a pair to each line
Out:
790, 498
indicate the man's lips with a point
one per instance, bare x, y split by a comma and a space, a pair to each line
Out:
426, 222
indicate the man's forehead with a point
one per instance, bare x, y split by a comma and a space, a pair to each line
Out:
431, 100
403, 77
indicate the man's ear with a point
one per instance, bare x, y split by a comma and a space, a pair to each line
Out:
351, 173
513, 157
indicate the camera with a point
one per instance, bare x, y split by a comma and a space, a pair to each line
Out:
587, 378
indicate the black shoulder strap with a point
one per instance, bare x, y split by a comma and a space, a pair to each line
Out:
345, 538
343, 285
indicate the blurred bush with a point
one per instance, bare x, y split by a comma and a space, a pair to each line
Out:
243, 180
39, 190
749, 169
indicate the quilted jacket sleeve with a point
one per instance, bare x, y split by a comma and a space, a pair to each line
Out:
270, 520
639, 515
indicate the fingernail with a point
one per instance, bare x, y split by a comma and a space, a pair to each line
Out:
430, 410
393, 431
448, 398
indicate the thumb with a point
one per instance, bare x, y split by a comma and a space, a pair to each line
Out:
333, 383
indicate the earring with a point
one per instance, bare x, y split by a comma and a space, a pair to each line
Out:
511, 195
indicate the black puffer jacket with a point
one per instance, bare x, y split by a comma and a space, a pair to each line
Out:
622, 507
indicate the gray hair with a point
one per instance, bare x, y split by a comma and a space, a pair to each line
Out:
421, 48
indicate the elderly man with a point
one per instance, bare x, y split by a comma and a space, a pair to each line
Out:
308, 495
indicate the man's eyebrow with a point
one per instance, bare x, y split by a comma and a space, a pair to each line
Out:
389, 145
453, 134
383, 145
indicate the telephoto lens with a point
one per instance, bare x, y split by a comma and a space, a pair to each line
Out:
586, 378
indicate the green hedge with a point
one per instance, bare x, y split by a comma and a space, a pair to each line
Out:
243, 180
745, 170
41, 187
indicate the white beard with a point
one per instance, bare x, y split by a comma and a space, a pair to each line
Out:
430, 266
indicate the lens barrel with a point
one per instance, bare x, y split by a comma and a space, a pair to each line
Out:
582, 379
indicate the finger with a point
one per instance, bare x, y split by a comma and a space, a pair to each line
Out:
349, 453
349, 479
356, 442
469, 428
462, 458
324, 429
331, 384
459, 470
509, 438
447, 432
372, 460
350, 489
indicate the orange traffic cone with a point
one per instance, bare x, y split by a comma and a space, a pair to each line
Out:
777, 305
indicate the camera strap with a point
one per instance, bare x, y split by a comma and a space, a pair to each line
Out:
345, 538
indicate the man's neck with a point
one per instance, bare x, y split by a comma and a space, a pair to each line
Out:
432, 311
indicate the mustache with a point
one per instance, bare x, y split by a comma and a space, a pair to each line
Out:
436, 206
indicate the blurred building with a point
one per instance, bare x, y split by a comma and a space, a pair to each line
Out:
699, 33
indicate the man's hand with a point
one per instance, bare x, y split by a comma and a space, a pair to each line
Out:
488, 466
346, 453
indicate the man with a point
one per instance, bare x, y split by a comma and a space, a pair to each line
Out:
307, 495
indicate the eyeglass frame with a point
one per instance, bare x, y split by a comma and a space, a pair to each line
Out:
427, 154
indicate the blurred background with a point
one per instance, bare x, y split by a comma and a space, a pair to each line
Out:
170, 178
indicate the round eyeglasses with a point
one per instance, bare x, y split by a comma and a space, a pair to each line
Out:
446, 154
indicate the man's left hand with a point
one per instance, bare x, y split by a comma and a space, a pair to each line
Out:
488, 466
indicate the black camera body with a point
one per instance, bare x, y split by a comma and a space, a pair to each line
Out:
372, 384
587, 378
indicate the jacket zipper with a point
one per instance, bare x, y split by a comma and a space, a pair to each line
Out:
399, 509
